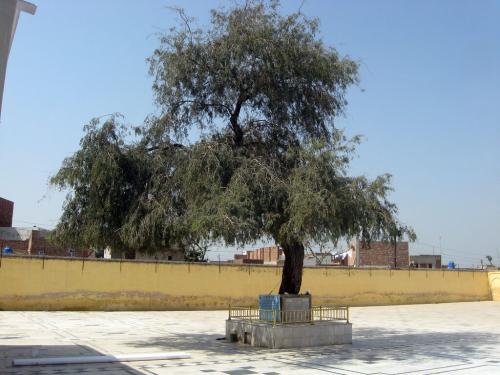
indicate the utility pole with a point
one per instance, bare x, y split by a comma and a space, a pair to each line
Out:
395, 252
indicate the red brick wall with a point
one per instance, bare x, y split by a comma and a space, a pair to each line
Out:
18, 247
6, 212
381, 254
40, 244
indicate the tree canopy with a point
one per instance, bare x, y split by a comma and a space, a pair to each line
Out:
243, 147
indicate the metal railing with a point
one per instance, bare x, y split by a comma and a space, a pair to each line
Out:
314, 314
330, 313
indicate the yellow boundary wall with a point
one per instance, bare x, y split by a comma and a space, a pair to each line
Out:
494, 279
73, 284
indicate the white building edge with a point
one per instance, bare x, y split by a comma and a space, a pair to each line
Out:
9, 15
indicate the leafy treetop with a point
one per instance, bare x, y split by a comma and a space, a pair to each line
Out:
262, 91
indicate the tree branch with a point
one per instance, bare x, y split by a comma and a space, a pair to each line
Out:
207, 104
166, 147
236, 128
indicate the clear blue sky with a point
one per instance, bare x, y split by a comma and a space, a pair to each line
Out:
428, 102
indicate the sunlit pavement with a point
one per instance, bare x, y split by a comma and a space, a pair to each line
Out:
461, 338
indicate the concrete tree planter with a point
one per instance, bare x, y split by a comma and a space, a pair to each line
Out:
289, 321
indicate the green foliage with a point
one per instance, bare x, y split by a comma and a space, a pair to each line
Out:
105, 177
264, 91
265, 74
489, 258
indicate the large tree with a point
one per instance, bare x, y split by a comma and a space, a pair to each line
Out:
243, 147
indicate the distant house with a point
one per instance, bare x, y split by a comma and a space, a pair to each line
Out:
34, 241
263, 255
18, 239
382, 254
425, 261
379, 254
29, 240
161, 254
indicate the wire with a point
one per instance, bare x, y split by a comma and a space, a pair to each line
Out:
439, 249
32, 222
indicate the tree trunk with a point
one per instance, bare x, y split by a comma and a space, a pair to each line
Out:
291, 278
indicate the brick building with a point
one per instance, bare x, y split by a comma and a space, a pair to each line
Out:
244, 259
263, 255
378, 254
6, 212
34, 241
30, 240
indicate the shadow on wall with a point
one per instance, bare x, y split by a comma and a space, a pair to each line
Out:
10, 352
370, 345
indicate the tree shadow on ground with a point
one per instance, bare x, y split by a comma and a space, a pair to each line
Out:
10, 352
403, 346
370, 345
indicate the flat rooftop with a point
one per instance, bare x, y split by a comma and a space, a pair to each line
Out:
453, 338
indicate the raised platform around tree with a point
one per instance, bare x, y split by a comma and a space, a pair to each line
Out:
296, 335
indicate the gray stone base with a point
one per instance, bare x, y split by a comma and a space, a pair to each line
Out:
289, 335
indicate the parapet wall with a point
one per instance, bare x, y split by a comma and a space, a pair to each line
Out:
73, 284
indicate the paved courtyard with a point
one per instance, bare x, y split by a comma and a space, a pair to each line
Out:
461, 338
